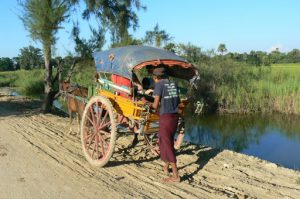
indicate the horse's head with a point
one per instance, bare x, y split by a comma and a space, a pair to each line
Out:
65, 85
82, 91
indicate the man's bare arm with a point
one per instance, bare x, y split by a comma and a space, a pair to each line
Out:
156, 102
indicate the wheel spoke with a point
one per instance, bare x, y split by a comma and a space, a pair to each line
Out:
101, 137
104, 118
93, 117
88, 136
96, 113
91, 141
99, 115
94, 149
104, 142
104, 125
102, 148
105, 134
89, 119
97, 152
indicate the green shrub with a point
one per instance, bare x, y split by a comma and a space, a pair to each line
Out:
84, 73
7, 79
30, 82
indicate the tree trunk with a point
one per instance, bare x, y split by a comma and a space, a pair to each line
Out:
70, 72
49, 94
60, 80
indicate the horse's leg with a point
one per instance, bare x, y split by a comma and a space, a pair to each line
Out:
78, 127
70, 121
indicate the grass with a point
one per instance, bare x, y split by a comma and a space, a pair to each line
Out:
7, 79
31, 82
28, 82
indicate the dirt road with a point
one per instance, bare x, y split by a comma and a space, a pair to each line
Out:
39, 159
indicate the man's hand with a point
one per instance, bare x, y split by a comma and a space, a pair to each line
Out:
147, 92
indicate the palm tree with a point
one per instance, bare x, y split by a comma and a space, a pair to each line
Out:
222, 49
157, 37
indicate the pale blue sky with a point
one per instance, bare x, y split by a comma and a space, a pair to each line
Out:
243, 25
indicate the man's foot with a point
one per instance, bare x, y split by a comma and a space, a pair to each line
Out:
171, 179
166, 169
166, 172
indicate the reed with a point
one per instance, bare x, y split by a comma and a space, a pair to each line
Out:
246, 89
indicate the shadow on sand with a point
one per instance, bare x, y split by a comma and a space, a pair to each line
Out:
204, 154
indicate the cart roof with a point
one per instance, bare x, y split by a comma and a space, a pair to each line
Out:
122, 61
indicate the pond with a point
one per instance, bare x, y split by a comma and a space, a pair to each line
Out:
7, 91
275, 137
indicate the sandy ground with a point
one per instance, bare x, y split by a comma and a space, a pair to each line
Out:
39, 159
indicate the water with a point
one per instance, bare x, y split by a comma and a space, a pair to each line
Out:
275, 138
61, 105
7, 91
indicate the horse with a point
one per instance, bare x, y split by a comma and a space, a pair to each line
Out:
73, 96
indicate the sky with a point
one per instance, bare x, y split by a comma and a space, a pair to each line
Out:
243, 25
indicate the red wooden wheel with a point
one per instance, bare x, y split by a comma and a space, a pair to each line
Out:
98, 131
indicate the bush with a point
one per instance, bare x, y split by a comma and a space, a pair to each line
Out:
30, 82
7, 79
84, 73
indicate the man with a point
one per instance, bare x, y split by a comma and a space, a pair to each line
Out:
167, 95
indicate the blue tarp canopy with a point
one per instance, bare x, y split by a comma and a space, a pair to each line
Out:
121, 61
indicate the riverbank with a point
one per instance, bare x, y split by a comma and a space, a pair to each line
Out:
39, 159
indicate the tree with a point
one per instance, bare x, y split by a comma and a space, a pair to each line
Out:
85, 48
6, 64
30, 57
171, 47
16, 62
190, 52
118, 16
43, 18
293, 56
222, 49
276, 56
255, 58
157, 37
130, 40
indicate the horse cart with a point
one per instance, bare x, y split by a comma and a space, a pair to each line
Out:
117, 103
